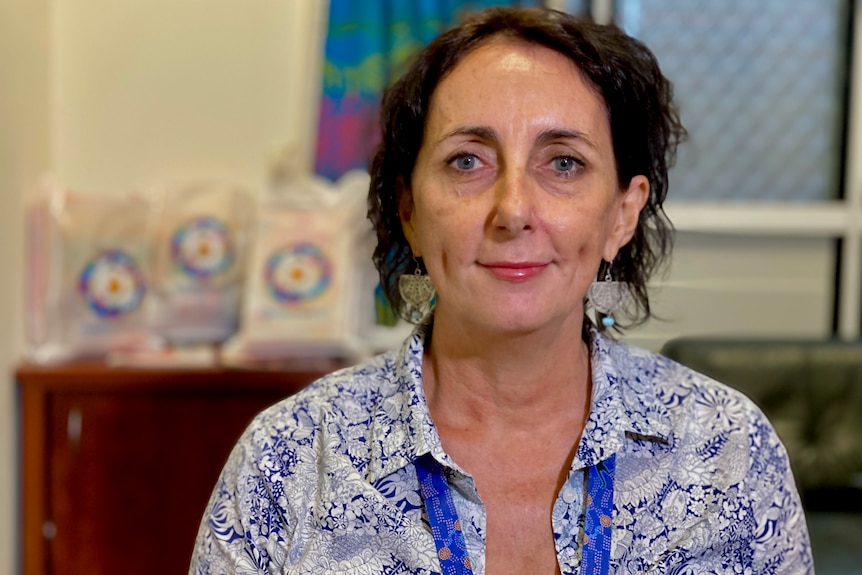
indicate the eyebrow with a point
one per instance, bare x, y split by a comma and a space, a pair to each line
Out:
547, 136
481, 132
556, 134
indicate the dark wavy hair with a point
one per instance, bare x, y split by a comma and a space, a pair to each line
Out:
644, 124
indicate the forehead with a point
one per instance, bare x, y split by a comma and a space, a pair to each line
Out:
510, 79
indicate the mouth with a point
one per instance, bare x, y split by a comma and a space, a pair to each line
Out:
515, 271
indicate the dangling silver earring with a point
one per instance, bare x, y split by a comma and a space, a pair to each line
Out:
417, 291
607, 297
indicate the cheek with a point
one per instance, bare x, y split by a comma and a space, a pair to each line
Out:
451, 247
580, 241
580, 234
443, 226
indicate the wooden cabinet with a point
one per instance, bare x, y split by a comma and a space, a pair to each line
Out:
118, 463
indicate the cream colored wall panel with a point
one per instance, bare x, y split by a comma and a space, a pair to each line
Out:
743, 286
24, 153
166, 89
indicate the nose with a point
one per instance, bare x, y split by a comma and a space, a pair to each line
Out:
513, 202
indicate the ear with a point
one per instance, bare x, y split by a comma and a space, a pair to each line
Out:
405, 213
625, 216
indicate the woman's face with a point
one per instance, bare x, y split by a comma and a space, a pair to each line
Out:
514, 199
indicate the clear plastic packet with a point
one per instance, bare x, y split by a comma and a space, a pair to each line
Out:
303, 294
87, 274
200, 237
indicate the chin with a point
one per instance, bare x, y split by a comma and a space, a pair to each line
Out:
525, 322
519, 315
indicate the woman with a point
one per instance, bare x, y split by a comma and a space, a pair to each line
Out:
523, 167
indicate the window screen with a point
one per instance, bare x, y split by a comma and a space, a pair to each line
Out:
761, 89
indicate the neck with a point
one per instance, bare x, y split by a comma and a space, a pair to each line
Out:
492, 381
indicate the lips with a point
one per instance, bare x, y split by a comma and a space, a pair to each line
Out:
515, 271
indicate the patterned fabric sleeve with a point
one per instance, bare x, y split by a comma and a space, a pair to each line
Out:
243, 529
781, 543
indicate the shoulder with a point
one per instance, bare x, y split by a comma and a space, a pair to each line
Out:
689, 397
346, 396
715, 424
721, 450
276, 463
294, 459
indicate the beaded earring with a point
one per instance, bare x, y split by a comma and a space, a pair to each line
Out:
607, 297
417, 291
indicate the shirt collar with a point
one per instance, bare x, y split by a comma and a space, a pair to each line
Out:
624, 404
401, 422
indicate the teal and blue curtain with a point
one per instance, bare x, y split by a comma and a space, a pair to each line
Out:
367, 44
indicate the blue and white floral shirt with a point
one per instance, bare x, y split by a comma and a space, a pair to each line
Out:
325, 482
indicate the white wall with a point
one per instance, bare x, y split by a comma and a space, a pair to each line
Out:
24, 152
110, 95
743, 285
173, 89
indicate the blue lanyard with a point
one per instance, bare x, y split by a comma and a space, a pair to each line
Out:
443, 517
598, 526
449, 539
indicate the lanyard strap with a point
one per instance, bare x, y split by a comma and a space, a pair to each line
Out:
443, 517
598, 526
446, 528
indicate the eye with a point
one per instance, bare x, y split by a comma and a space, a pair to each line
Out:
464, 162
565, 164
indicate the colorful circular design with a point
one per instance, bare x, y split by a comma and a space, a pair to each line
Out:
298, 273
202, 247
112, 284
